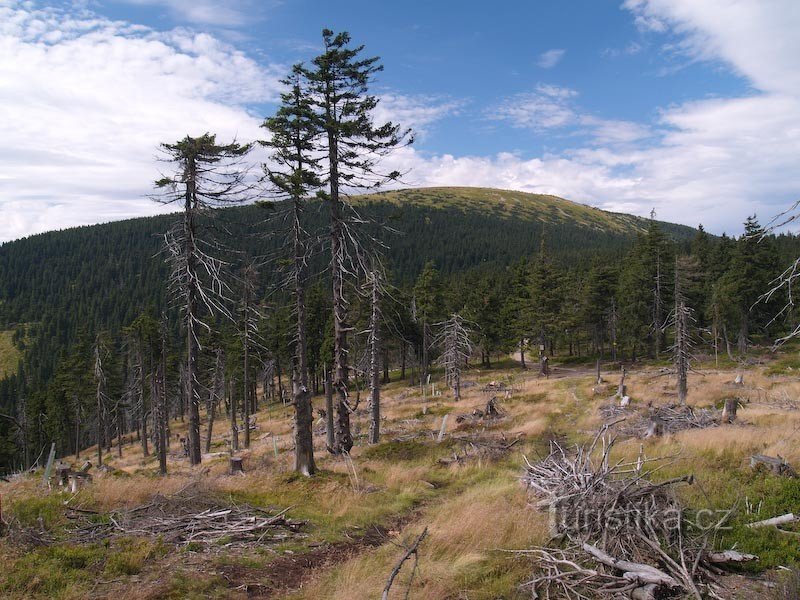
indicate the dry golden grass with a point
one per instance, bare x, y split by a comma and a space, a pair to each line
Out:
473, 511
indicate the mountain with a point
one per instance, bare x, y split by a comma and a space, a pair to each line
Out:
103, 276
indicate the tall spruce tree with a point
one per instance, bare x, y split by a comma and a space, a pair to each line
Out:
294, 131
353, 146
207, 176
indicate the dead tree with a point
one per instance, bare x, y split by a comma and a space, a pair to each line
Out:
162, 425
681, 318
101, 393
207, 175
249, 332
353, 145
454, 340
215, 393
232, 414
374, 352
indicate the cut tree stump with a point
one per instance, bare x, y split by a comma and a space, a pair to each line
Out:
776, 465
729, 410
656, 427
236, 465
62, 475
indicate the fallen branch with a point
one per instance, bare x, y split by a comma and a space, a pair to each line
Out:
775, 521
412, 550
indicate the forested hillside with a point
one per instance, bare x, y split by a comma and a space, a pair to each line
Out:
102, 277
525, 270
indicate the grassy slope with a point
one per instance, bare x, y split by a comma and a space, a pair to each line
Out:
518, 205
473, 511
9, 354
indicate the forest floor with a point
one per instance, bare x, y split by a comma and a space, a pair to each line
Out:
360, 514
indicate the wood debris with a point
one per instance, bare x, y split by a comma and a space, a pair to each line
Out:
624, 535
189, 518
657, 420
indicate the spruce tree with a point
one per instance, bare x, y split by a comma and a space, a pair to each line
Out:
207, 176
294, 132
353, 146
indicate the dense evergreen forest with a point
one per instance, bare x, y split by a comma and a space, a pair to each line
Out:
582, 289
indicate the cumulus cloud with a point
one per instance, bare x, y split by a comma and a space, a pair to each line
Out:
416, 112
87, 101
710, 160
549, 59
553, 107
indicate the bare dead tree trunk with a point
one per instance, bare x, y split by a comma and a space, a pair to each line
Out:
100, 379
232, 408
162, 432
682, 349
216, 392
374, 366
304, 418
77, 427
341, 370
247, 300
330, 437
613, 326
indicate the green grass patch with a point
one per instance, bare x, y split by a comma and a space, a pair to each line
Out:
9, 354
129, 555
58, 571
39, 511
196, 586
785, 365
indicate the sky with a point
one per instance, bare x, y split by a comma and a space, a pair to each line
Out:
690, 108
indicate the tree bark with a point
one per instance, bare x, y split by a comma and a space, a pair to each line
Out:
303, 415
192, 394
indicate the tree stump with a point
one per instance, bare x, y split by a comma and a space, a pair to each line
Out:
656, 427
739, 381
491, 408
62, 475
621, 389
236, 465
78, 479
729, 410
776, 465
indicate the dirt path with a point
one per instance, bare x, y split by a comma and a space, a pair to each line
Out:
289, 572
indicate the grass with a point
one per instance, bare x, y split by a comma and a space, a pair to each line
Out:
474, 511
511, 204
9, 354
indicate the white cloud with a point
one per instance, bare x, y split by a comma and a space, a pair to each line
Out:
548, 107
87, 100
231, 13
549, 59
416, 112
552, 107
713, 161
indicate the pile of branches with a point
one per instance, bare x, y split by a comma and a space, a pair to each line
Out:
671, 418
623, 535
184, 519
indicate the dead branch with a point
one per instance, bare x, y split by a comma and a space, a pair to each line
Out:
412, 550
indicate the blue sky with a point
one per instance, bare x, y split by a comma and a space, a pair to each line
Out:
690, 107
